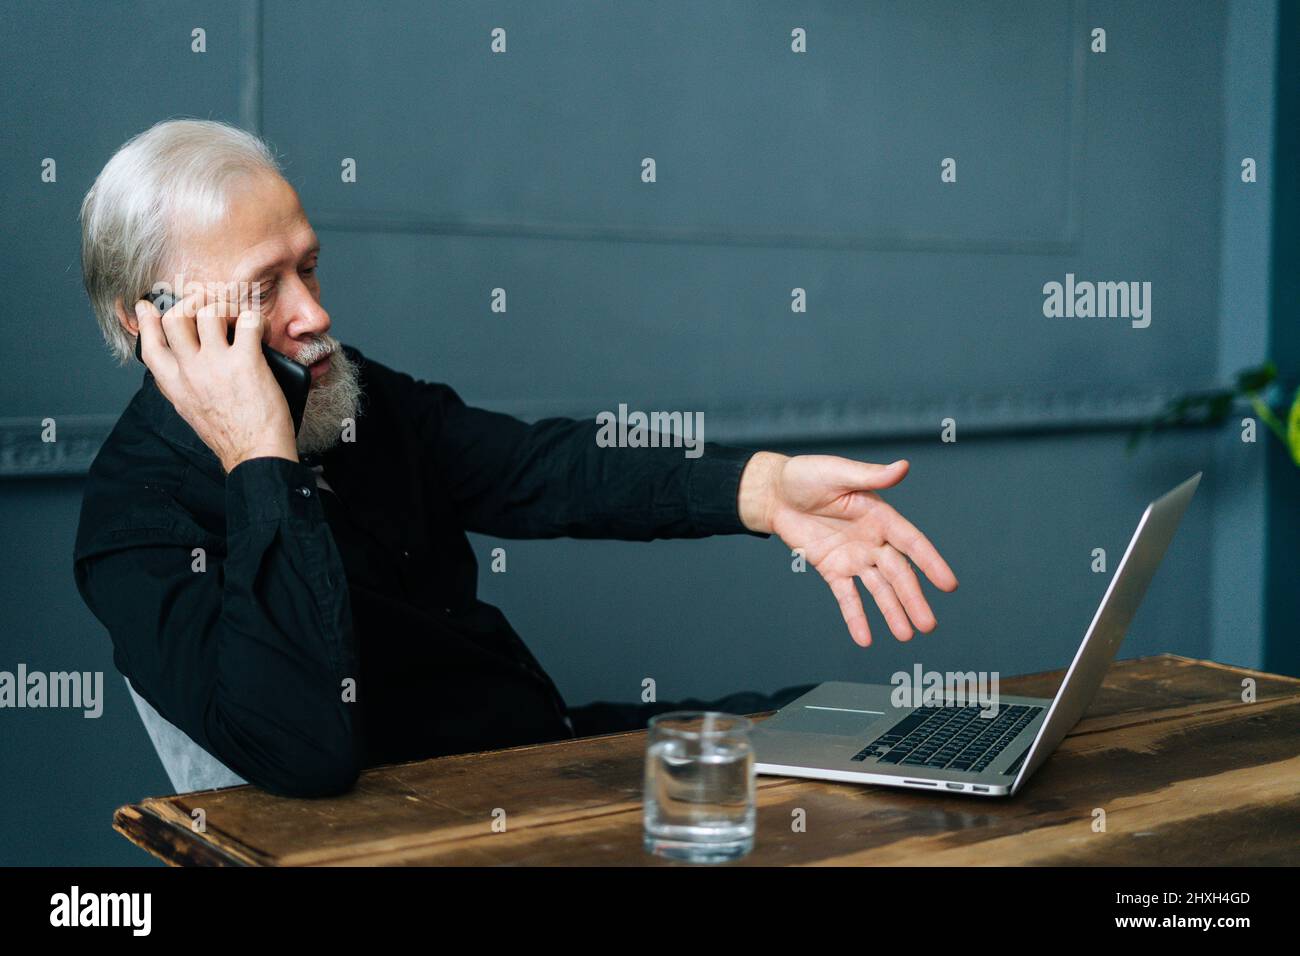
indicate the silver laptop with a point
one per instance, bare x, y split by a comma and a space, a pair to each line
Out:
960, 742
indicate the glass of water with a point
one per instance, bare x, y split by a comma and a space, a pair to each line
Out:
699, 787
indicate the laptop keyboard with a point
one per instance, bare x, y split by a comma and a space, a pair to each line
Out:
950, 737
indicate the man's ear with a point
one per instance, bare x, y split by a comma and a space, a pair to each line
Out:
128, 320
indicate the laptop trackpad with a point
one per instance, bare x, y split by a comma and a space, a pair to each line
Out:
824, 720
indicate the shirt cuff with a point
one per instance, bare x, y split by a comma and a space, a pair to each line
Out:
271, 489
713, 490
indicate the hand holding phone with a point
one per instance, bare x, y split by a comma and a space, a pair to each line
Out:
229, 396
294, 379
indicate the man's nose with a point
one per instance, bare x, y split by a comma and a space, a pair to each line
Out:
309, 318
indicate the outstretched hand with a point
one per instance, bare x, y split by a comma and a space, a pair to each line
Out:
827, 507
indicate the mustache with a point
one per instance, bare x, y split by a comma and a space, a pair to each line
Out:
317, 349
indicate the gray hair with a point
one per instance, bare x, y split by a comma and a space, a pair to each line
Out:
180, 167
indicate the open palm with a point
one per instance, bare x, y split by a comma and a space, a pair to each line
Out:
828, 508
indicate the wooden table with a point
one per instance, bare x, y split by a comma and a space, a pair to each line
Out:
1186, 772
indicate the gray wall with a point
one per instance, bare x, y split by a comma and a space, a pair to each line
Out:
774, 171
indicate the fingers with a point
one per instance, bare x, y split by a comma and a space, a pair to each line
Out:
212, 323
883, 594
897, 598
153, 344
248, 331
855, 617
197, 320
903, 535
907, 589
179, 325
850, 475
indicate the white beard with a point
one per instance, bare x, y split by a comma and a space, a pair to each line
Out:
333, 398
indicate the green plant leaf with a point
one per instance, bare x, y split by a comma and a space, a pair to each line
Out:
1267, 416
1212, 408
1256, 379
1293, 429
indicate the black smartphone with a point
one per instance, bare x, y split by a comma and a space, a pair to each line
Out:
294, 379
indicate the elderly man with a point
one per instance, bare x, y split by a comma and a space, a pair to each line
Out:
304, 605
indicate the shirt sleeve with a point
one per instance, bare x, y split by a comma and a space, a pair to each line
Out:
552, 478
245, 652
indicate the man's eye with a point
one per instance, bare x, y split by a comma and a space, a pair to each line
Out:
310, 271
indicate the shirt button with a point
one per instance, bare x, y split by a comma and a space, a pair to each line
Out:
304, 491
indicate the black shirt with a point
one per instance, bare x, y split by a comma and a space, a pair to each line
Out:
298, 634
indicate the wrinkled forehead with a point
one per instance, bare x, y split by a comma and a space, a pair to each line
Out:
263, 231
276, 253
